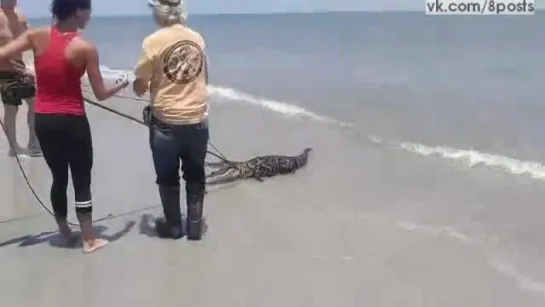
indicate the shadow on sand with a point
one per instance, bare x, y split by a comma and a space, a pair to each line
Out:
53, 238
147, 226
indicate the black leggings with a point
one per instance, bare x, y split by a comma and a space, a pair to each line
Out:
67, 144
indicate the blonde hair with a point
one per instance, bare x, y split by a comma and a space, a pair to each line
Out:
171, 11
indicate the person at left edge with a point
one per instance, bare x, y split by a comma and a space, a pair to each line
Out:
13, 73
62, 56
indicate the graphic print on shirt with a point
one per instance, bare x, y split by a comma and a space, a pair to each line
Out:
183, 62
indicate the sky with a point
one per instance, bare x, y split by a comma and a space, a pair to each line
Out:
40, 8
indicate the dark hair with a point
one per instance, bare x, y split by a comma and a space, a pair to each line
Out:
62, 9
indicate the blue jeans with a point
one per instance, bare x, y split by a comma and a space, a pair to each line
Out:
172, 144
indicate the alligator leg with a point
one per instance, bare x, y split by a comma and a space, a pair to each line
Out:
219, 172
230, 176
215, 164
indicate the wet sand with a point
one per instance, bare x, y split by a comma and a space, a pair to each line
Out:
348, 230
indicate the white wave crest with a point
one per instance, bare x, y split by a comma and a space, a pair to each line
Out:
473, 158
470, 157
283, 108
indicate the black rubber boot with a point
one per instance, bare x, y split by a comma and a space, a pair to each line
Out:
171, 225
195, 220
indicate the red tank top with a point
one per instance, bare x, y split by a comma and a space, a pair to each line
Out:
58, 82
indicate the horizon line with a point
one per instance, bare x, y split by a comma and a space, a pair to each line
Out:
264, 13
253, 13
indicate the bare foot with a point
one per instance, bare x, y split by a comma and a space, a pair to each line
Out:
94, 245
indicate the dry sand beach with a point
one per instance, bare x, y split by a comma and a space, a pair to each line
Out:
366, 223
301, 240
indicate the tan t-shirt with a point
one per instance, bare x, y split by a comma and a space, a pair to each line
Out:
174, 62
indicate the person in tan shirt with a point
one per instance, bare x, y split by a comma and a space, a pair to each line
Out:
13, 74
173, 68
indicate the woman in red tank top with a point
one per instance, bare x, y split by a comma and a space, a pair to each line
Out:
62, 57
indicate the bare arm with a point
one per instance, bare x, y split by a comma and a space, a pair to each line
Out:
17, 66
139, 87
24, 21
17, 46
143, 73
206, 68
95, 76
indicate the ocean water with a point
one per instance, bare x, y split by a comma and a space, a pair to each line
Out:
431, 123
466, 87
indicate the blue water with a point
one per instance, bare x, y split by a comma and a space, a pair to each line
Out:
465, 82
